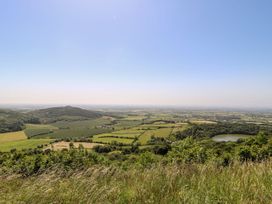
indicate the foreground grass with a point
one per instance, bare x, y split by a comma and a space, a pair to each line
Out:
247, 183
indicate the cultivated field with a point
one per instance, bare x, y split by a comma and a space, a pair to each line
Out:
12, 136
23, 144
19, 141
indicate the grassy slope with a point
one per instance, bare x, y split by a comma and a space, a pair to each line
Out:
248, 183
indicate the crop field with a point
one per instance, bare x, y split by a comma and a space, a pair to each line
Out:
122, 136
12, 136
161, 132
159, 125
141, 133
36, 130
202, 122
135, 117
83, 123
23, 144
180, 128
69, 129
161, 117
19, 141
73, 133
121, 124
108, 140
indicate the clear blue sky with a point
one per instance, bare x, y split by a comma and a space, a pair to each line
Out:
161, 52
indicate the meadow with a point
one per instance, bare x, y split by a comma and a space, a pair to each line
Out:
239, 183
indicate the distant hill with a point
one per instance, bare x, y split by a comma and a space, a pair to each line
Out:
11, 120
64, 113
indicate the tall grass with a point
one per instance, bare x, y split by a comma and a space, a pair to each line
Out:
246, 183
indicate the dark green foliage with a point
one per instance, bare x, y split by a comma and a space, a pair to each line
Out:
102, 149
37, 161
189, 151
211, 130
11, 126
11, 121
161, 150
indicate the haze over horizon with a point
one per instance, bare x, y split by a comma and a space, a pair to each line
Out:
137, 52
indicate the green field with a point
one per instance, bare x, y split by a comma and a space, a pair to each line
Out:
135, 117
180, 128
108, 140
69, 129
122, 136
82, 123
36, 130
73, 133
142, 133
23, 144
121, 124
161, 132
19, 141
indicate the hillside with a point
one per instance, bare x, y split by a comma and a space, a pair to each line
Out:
63, 113
10, 120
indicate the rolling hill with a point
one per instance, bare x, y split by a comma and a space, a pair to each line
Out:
49, 115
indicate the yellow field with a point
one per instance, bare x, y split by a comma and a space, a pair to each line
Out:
202, 122
19, 141
12, 136
66, 145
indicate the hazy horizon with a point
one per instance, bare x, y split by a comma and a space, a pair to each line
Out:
139, 53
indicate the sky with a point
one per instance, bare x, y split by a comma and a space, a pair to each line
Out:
136, 52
